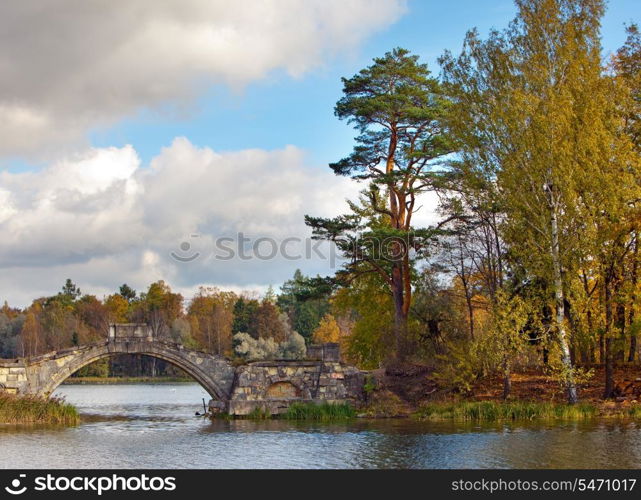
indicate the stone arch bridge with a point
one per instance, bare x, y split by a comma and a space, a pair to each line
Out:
238, 390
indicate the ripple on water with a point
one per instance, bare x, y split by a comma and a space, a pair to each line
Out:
153, 426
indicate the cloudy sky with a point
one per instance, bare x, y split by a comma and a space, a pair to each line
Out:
143, 141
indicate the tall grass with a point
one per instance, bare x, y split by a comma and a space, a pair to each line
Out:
490, 411
324, 412
634, 412
35, 410
259, 413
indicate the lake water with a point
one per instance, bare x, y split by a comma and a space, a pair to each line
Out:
154, 426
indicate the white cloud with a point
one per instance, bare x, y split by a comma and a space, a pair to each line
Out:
72, 65
102, 220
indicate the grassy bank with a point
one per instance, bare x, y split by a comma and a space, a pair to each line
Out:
325, 412
35, 410
492, 411
125, 380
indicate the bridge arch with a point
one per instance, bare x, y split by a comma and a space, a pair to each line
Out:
214, 373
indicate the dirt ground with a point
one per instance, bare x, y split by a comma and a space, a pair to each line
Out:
536, 385
401, 391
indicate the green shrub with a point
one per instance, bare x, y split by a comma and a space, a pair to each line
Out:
459, 368
369, 385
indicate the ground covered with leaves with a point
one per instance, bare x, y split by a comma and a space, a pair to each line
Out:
404, 392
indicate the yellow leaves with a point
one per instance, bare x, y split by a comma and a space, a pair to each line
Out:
371, 307
210, 316
508, 319
327, 331
500, 339
118, 308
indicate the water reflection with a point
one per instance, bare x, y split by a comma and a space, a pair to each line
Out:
130, 426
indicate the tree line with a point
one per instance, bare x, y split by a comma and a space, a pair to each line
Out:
530, 142
216, 321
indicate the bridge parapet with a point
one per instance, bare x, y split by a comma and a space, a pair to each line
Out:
128, 331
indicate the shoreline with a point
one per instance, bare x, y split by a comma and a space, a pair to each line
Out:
29, 410
383, 402
127, 380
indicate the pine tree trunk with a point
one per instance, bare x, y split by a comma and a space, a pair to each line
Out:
400, 317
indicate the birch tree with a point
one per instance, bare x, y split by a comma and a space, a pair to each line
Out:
523, 113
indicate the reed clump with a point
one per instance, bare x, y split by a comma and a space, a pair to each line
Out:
16, 409
259, 413
492, 411
324, 412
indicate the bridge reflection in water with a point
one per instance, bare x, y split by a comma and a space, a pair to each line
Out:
269, 385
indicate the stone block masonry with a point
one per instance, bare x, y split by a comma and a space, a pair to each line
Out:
13, 375
272, 386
